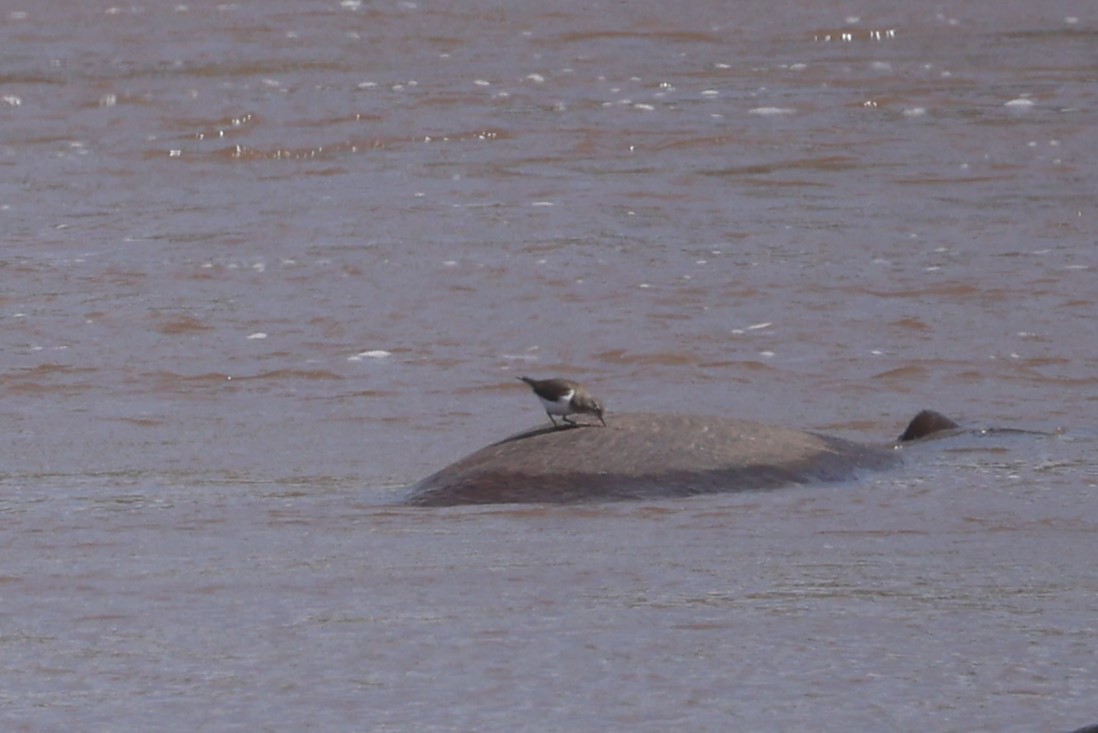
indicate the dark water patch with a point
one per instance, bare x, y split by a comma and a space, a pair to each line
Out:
828, 163
653, 35
182, 325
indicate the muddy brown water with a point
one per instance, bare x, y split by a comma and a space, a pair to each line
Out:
264, 264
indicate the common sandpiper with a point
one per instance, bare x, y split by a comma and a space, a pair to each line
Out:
564, 397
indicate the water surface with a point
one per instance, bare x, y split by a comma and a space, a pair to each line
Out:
263, 264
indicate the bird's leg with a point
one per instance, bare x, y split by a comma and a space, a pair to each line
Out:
565, 419
552, 419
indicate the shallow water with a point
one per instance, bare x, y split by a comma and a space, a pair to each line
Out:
266, 263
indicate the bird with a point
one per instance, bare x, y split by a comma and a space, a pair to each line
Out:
564, 397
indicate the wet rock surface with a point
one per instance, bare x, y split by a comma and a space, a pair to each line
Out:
645, 455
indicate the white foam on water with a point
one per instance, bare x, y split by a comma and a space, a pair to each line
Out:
375, 354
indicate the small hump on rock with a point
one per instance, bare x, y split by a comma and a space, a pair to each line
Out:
926, 423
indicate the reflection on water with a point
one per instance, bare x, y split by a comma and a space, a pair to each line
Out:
265, 264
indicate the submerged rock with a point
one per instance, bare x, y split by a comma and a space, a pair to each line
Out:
651, 455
